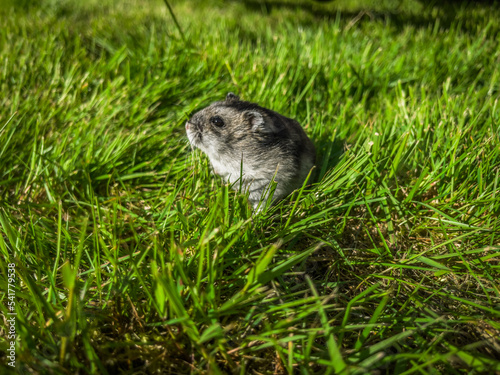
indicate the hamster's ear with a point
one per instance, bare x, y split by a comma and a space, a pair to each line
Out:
259, 123
232, 97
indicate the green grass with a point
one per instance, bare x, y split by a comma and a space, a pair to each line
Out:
132, 258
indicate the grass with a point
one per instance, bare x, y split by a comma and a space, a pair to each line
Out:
132, 258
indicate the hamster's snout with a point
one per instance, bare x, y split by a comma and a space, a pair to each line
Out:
193, 126
194, 132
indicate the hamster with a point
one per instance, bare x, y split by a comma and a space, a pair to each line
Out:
244, 140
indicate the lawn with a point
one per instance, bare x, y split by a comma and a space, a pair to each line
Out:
123, 254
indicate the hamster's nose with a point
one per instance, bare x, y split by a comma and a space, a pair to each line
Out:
193, 126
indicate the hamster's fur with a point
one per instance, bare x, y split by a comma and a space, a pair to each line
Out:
242, 139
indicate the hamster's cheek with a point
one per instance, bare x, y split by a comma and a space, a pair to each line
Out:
195, 138
190, 136
209, 148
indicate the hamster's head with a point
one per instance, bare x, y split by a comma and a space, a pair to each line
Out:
230, 126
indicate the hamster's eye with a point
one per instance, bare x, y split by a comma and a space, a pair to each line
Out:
217, 121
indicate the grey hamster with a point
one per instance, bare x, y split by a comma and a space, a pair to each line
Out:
244, 139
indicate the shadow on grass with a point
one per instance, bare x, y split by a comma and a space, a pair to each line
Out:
328, 153
446, 16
